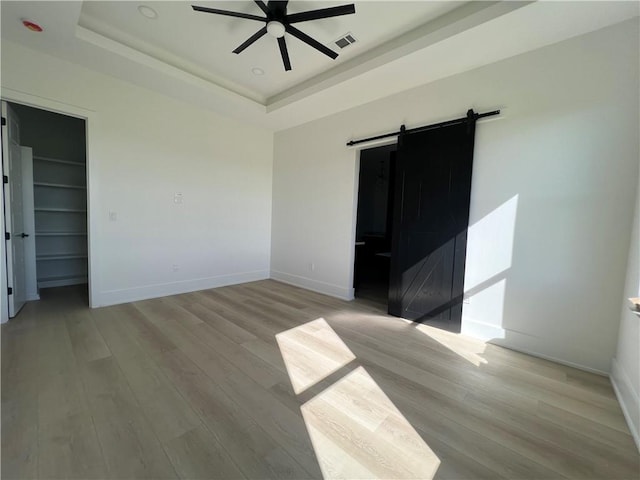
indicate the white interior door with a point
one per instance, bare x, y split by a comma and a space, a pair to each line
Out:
13, 204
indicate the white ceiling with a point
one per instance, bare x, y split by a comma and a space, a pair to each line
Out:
400, 45
202, 43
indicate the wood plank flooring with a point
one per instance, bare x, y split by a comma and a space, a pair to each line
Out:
265, 380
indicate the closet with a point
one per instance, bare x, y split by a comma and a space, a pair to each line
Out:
59, 193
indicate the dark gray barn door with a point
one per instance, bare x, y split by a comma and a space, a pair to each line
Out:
431, 217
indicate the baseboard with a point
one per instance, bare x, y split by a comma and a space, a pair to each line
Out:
480, 330
628, 398
518, 342
32, 297
314, 285
551, 358
115, 297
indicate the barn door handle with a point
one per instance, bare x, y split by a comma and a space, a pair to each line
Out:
24, 235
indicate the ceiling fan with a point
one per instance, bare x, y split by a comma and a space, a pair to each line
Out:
278, 22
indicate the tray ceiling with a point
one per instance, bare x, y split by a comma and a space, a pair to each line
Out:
400, 45
202, 43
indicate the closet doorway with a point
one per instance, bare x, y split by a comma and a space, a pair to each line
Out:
374, 224
53, 148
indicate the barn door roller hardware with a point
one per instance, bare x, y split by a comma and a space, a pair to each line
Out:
471, 116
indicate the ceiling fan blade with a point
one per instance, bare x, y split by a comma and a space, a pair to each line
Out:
251, 39
228, 13
262, 6
310, 41
284, 53
322, 13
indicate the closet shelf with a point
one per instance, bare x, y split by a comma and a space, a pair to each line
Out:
57, 160
58, 185
59, 234
61, 210
59, 280
60, 204
60, 256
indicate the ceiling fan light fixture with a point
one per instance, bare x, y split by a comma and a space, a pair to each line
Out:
275, 29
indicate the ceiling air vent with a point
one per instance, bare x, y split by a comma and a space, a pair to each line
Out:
345, 40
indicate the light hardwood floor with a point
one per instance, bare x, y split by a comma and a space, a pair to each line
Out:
265, 380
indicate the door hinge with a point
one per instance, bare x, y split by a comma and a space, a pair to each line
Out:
10, 290
5, 179
4, 121
7, 236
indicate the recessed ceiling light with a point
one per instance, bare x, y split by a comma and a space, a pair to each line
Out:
148, 12
33, 26
257, 71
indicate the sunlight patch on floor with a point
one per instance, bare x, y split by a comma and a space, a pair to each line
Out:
356, 430
469, 349
312, 352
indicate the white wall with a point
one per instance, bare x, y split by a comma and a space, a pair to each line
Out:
625, 371
143, 148
552, 195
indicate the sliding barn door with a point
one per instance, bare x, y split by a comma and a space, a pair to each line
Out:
431, 217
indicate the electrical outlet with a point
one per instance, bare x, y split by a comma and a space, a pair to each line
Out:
113, 216
175, 267
177, 198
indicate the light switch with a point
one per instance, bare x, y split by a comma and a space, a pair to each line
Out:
177, 198
113, 216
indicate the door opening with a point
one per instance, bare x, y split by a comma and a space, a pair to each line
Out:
56, 250
412, 221
374, 224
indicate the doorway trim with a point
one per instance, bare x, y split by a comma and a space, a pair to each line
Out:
90, 117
